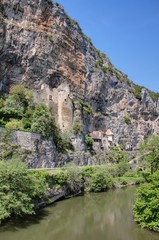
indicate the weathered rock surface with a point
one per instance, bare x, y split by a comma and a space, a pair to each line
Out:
39, 153
41, 47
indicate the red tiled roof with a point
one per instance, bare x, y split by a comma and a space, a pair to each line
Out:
96, 134
109, 132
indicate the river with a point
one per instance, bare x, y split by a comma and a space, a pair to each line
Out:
95, 216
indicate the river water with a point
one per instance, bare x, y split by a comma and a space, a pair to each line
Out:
96, 216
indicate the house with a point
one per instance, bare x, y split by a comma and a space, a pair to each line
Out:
97, 137
102, 140
108, 138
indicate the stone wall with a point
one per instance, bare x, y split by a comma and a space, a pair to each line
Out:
42, 153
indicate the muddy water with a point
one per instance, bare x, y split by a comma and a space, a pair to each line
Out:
100, 216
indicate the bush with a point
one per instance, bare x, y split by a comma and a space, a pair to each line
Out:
74, 179
122, 168
116, 155
100, 181
89, 143
136, 91
77, 128
14, 124
127, 119
146, 207
42, 121
19, 190
86, 107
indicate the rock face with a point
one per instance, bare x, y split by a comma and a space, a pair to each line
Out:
39, 153
42, 48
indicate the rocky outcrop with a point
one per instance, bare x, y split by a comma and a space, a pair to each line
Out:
42, 48
39, 153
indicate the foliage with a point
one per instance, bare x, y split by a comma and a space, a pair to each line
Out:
77, 128
50, 37
14, 124
15, 104
146, 207
42, 121
136, 91
62, 141
99, 63
87, 39
85, 106
74, 179
100, 181
59, 178
24, 94
89, 142
122, 167
17, 111
153, 95
150, 152
127, 119
116, 155
19, 189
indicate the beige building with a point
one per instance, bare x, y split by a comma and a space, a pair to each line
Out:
102, 140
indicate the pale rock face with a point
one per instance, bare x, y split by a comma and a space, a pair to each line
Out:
42, 48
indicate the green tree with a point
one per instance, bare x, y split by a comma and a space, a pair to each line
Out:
89, 142
74, 178
43, 122
150, 152
25, 95
14, 104
116, 155
100, 180
19, 189
146, 207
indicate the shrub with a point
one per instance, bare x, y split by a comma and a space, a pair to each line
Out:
116, 155
99, 63
85, 106
14, 124
19, 190
136, 91
74, 179
77, 128
127, 119
122, 168
146, 207
100, 181
50, 37
89, 142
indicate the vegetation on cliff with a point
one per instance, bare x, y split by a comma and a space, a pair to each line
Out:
19, 112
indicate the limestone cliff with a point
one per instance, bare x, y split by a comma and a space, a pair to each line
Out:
41, 47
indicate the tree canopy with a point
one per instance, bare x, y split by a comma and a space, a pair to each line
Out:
146, 207
150, 152
19, 189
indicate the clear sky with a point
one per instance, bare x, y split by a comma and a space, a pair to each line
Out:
126, 30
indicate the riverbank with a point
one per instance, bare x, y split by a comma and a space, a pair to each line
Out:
72, 180
23, 191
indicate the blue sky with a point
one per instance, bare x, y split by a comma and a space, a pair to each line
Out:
126, 30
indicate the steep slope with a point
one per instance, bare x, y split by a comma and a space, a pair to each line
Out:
41, 47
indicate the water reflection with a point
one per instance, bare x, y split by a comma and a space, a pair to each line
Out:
101, 216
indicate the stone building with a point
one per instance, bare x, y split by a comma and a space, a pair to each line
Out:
102, 140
